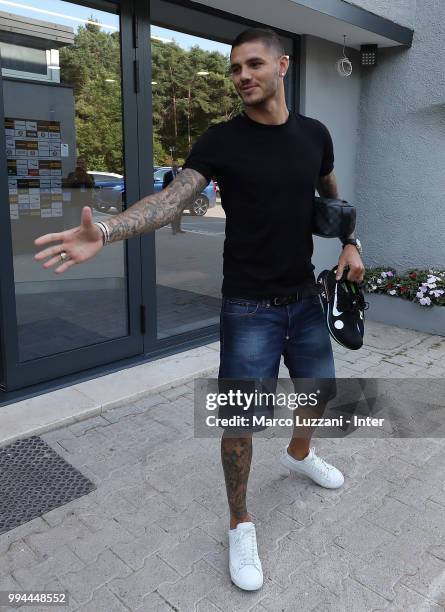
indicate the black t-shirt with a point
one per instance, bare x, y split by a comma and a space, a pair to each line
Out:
267, 176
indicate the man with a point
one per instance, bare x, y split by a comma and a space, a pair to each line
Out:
80, 187
80, 176
81, 180
268, 163
168, 178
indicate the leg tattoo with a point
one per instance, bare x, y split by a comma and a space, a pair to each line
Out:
236, 456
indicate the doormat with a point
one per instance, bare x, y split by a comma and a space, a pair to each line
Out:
34, 479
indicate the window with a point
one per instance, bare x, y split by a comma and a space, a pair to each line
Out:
24, 59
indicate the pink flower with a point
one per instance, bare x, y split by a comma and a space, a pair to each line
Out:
390, 273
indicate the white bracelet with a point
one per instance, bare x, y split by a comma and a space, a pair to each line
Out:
105, 232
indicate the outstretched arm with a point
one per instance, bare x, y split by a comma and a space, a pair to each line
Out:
85, 241
158, 209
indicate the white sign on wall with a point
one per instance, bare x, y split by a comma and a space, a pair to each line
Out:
34, 151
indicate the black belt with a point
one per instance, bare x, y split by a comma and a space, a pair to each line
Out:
282, 300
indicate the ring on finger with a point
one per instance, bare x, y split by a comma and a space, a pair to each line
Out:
63, 256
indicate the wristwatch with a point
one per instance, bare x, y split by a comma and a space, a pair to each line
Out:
356, 242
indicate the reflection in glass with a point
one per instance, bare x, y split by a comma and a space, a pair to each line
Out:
63, 124
192, 90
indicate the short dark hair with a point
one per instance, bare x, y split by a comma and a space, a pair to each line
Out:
268, 37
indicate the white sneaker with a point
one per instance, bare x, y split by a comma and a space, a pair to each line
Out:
321, 472
244, 563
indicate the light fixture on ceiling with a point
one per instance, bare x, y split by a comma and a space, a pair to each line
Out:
160, 39
344, 65
55, 14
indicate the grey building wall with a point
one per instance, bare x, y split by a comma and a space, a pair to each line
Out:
399, 11
49, 102
400, 178
35, 100
40, 101
334, 100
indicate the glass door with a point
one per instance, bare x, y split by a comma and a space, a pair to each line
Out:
191, 90
68, 92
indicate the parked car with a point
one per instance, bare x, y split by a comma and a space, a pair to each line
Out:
109, 191
205, 200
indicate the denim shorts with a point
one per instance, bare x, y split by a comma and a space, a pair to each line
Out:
254, 334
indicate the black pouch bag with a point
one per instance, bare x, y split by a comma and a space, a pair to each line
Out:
333, 218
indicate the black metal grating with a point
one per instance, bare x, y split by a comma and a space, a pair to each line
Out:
34, 479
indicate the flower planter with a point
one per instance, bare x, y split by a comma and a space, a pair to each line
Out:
403, 313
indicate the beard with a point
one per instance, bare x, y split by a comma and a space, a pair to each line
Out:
265, 95
258, 102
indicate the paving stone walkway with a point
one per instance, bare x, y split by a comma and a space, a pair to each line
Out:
153, 535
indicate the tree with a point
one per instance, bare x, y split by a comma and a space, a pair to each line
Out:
92, 67
184, 103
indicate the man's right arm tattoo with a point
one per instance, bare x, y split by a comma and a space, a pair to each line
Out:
158, 209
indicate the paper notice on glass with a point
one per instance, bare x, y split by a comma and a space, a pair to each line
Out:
14, 211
